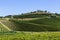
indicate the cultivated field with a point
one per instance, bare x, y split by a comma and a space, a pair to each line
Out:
31, 36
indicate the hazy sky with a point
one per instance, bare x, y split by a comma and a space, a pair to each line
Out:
11, 7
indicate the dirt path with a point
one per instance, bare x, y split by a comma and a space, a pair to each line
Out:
5, 26
27, 19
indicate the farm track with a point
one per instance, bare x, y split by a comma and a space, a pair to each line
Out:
5, 26
9, 24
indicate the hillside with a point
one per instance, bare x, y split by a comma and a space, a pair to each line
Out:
46, 24
34, 21
34, 14
2, 28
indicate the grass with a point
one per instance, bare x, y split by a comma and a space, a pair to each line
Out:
32, 36
49, 23
53, 23
41, 24
2, 28
9, 24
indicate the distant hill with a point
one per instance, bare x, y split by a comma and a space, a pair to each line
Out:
34, 21
33, 14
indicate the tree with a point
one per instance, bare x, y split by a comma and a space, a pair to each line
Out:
39, 11
1, 17
9, 16
45, 11
56, 13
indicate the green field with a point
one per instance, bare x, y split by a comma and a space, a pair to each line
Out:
45, 24
31, 36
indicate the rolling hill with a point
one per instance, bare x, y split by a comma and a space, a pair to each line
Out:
34, 21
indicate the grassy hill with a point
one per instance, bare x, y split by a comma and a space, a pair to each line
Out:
34, 21
31, 26
34, 14
45, 24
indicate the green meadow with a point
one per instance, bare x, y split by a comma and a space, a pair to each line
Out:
31, 36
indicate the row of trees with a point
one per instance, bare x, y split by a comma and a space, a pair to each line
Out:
39, 11
31, 14
1, 16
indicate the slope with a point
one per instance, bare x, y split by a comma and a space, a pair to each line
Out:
45, 24
2, 28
